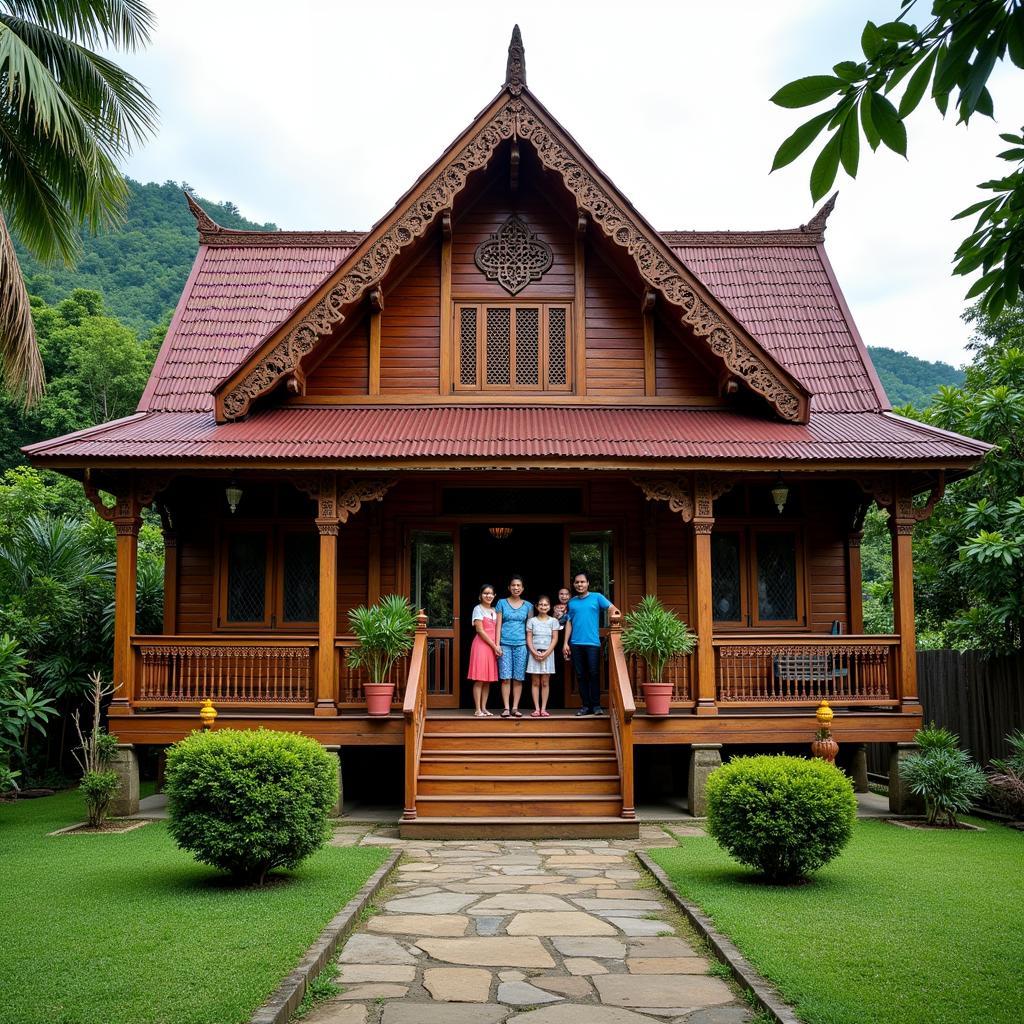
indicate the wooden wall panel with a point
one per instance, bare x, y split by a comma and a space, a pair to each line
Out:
675, 544
484, 218
195, 581
678, 372
827, 598
615, 334
345, 369
353, 553
411, 330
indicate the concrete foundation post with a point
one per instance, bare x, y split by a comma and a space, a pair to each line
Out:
704, 759
126, 765
859, 769
333, 748
901, 800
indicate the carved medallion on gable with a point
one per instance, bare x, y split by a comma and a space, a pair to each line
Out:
513, 256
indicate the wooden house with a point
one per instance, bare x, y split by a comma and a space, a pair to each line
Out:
513, 371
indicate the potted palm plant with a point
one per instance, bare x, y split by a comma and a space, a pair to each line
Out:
385, 633
657, 635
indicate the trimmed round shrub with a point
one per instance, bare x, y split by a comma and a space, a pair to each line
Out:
784, 816
248, 801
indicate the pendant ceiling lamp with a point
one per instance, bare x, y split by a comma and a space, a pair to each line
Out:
500, 532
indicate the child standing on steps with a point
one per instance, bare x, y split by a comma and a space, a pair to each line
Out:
541, 640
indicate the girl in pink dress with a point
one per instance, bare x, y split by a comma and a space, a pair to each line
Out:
484, 653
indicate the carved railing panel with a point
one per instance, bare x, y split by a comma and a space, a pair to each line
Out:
680, 672
806, 670
183, 670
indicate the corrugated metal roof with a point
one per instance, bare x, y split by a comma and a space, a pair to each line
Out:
234, 297
303, 433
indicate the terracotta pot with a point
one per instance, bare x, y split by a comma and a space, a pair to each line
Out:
825, 749
378, 698
657, 697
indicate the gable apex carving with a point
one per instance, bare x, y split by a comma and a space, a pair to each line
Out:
653, 259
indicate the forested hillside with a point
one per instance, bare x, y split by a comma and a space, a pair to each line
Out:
911, 381
140, 268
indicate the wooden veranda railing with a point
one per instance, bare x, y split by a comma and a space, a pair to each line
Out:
621, 708
258, 669
414, 710
800, 669
350, 680
680, 672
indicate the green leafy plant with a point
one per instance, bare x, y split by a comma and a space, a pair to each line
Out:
784, 816
943, 775
94, 755
657, 635
1006, 776
385, 633
249, 801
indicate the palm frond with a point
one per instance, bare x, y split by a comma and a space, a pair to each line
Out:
124, 24
20, 364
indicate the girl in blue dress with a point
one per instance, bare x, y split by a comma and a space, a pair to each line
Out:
513, 613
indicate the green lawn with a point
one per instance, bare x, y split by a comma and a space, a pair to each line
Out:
905, 927
127, 928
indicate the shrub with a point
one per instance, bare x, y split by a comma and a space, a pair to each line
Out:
98, 788
784, 816
943, 775
1006, 777
248, 801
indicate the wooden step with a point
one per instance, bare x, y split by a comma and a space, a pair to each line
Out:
567, 786
556, 723
561, 742
608, 827
467, 763
480, 806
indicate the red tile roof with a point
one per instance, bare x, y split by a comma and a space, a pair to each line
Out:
502, 432
778, 284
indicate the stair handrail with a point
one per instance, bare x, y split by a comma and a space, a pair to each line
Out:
621, 708
414, 710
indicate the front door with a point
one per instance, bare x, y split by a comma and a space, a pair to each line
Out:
434, 586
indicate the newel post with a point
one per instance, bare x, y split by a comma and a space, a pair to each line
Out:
703, 522
327, 524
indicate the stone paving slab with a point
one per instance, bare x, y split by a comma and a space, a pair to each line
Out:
520, 932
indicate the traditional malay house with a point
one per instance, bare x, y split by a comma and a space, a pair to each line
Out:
514, 371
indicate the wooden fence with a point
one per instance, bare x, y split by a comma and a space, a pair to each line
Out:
980, 699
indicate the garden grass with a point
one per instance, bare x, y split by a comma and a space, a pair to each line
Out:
907, 926
128, 929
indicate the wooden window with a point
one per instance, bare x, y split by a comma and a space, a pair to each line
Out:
269, 578
757, 577
512, 347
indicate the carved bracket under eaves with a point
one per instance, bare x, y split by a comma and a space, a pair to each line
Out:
659, 268
335, 503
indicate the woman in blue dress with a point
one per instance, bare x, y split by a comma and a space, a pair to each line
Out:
513, 613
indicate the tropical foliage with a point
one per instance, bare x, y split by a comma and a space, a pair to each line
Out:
657, 635
943, 775
385, 632
949, 57
69, 114
1006, 776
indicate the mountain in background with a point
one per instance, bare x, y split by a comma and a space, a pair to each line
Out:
911, 381
141, 267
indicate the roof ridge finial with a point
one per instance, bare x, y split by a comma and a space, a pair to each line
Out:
204, 222
817, 223
515, 68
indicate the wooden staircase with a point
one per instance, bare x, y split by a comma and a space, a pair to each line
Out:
524, 777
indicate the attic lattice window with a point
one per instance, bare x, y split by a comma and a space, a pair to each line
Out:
514, 256
512, 347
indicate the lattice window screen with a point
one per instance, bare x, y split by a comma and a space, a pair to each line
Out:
557, 364
726, 603
247, 577
301, 577
467, 346
776, 577
499, 345
528, 345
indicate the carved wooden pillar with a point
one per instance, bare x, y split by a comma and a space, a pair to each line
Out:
902, 520
703, 522
126, 522
327, 523
854, 581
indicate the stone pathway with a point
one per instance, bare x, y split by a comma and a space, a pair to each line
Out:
545, 932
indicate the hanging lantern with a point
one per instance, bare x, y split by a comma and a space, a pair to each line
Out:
780, 494
233, 493
500, 532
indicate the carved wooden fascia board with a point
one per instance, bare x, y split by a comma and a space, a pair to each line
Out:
654, 260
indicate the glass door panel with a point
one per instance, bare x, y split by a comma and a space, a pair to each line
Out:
433, 587
592, 552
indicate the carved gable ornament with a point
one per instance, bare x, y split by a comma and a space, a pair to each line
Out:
513, 256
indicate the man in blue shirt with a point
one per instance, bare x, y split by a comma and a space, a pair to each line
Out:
582, 626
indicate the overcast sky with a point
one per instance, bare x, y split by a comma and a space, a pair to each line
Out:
314, 114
